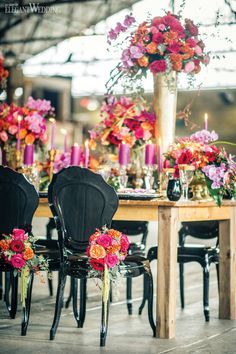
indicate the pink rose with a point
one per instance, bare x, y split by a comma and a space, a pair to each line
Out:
3, 136
124, 242
158, 66
17, 261
189, 67
111, 260
12, 129
161, 27
139, 133
104, 240
18, 234
198, 50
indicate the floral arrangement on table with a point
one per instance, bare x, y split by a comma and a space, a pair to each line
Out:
107, 250
18, 250
123, 120
160, 45
33, 115
3, 73
212, 162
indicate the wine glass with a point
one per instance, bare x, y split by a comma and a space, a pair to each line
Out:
186, 175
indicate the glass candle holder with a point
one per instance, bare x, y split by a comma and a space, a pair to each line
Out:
174, 189
149, 178
123, 178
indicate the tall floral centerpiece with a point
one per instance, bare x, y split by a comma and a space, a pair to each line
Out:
23, 125
165, 46
211, 163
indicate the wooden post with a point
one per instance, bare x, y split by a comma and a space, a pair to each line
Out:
227, 243
166, 271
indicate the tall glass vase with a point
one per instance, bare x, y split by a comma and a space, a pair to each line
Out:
165, 102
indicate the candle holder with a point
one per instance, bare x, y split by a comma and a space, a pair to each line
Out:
149, 178
123, 178
32, 174
18, 159
52, 154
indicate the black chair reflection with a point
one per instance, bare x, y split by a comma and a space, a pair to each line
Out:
204, 255
82, 201
18, 202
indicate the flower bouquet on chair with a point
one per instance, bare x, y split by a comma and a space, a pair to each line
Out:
18, 250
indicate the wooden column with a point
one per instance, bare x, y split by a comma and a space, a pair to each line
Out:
227, 243
166, 271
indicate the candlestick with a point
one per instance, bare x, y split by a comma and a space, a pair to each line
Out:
52, 154
29, 155
124, 154
75, 155
53, 132
86, 153
206, 121
150, 154
18, 133
159, 162
64, 132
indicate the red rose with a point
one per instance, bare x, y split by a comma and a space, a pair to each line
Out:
185, 157
17, 246
124, 242
97, 264
174, 48
158, 66
157, 38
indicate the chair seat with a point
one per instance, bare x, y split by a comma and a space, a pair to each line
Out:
136, 248
49, 249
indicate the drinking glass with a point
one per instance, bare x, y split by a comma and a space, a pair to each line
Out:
174, 189
186, 175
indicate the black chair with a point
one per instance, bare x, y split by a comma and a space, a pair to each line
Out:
132, 228
82, 201
18, 202
193, 253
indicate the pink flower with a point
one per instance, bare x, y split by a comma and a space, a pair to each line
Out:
147, 135
161, 27
157, 38
18, 234
104, 240
174, 48
97, 264
17, 246
42, 106
158, 66
3, 136
129, 20
198, 50
189, 67
12, 129
124, 242
17, 261
139, 133
111, 260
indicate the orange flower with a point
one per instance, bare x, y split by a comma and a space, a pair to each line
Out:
29, 139
170, 37
143, 61
147, 126
128, 140
92, 144
188, 52
23, 133
113, 249
4, 245
28, 254
93, 163
97, 251
152, 48
114, 233
176, 61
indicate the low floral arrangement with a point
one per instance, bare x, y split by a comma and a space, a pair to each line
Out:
123, 120
216, 165
106, 251
32, 125
3, 73
160, 45
17, 249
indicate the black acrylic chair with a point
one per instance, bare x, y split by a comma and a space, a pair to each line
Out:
18, 202
82, 201
133, 228
204, 255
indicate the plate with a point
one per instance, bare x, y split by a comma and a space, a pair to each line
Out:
137, 194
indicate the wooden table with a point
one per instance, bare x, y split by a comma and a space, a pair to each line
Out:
169, 215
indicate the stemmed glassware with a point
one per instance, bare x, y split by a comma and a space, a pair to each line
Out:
186, 175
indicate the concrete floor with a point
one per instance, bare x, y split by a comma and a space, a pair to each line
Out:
127, 334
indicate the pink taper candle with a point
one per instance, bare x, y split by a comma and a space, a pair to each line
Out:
64, 132
206, 121
53, 132
18, 133
86, 153
29, 155
75, 155
159, 161
150, 154
124, 154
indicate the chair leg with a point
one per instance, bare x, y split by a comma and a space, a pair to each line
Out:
129, 295
7, 290
145, 293
150, 303
181, 284
70, 293
80, 318
206, 293
14, 296
50, 284
59, 303
26, 309
104, 323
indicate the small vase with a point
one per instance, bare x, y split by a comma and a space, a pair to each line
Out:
165, 102
174, 190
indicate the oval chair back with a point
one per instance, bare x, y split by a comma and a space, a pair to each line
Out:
81, 201
18, 201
